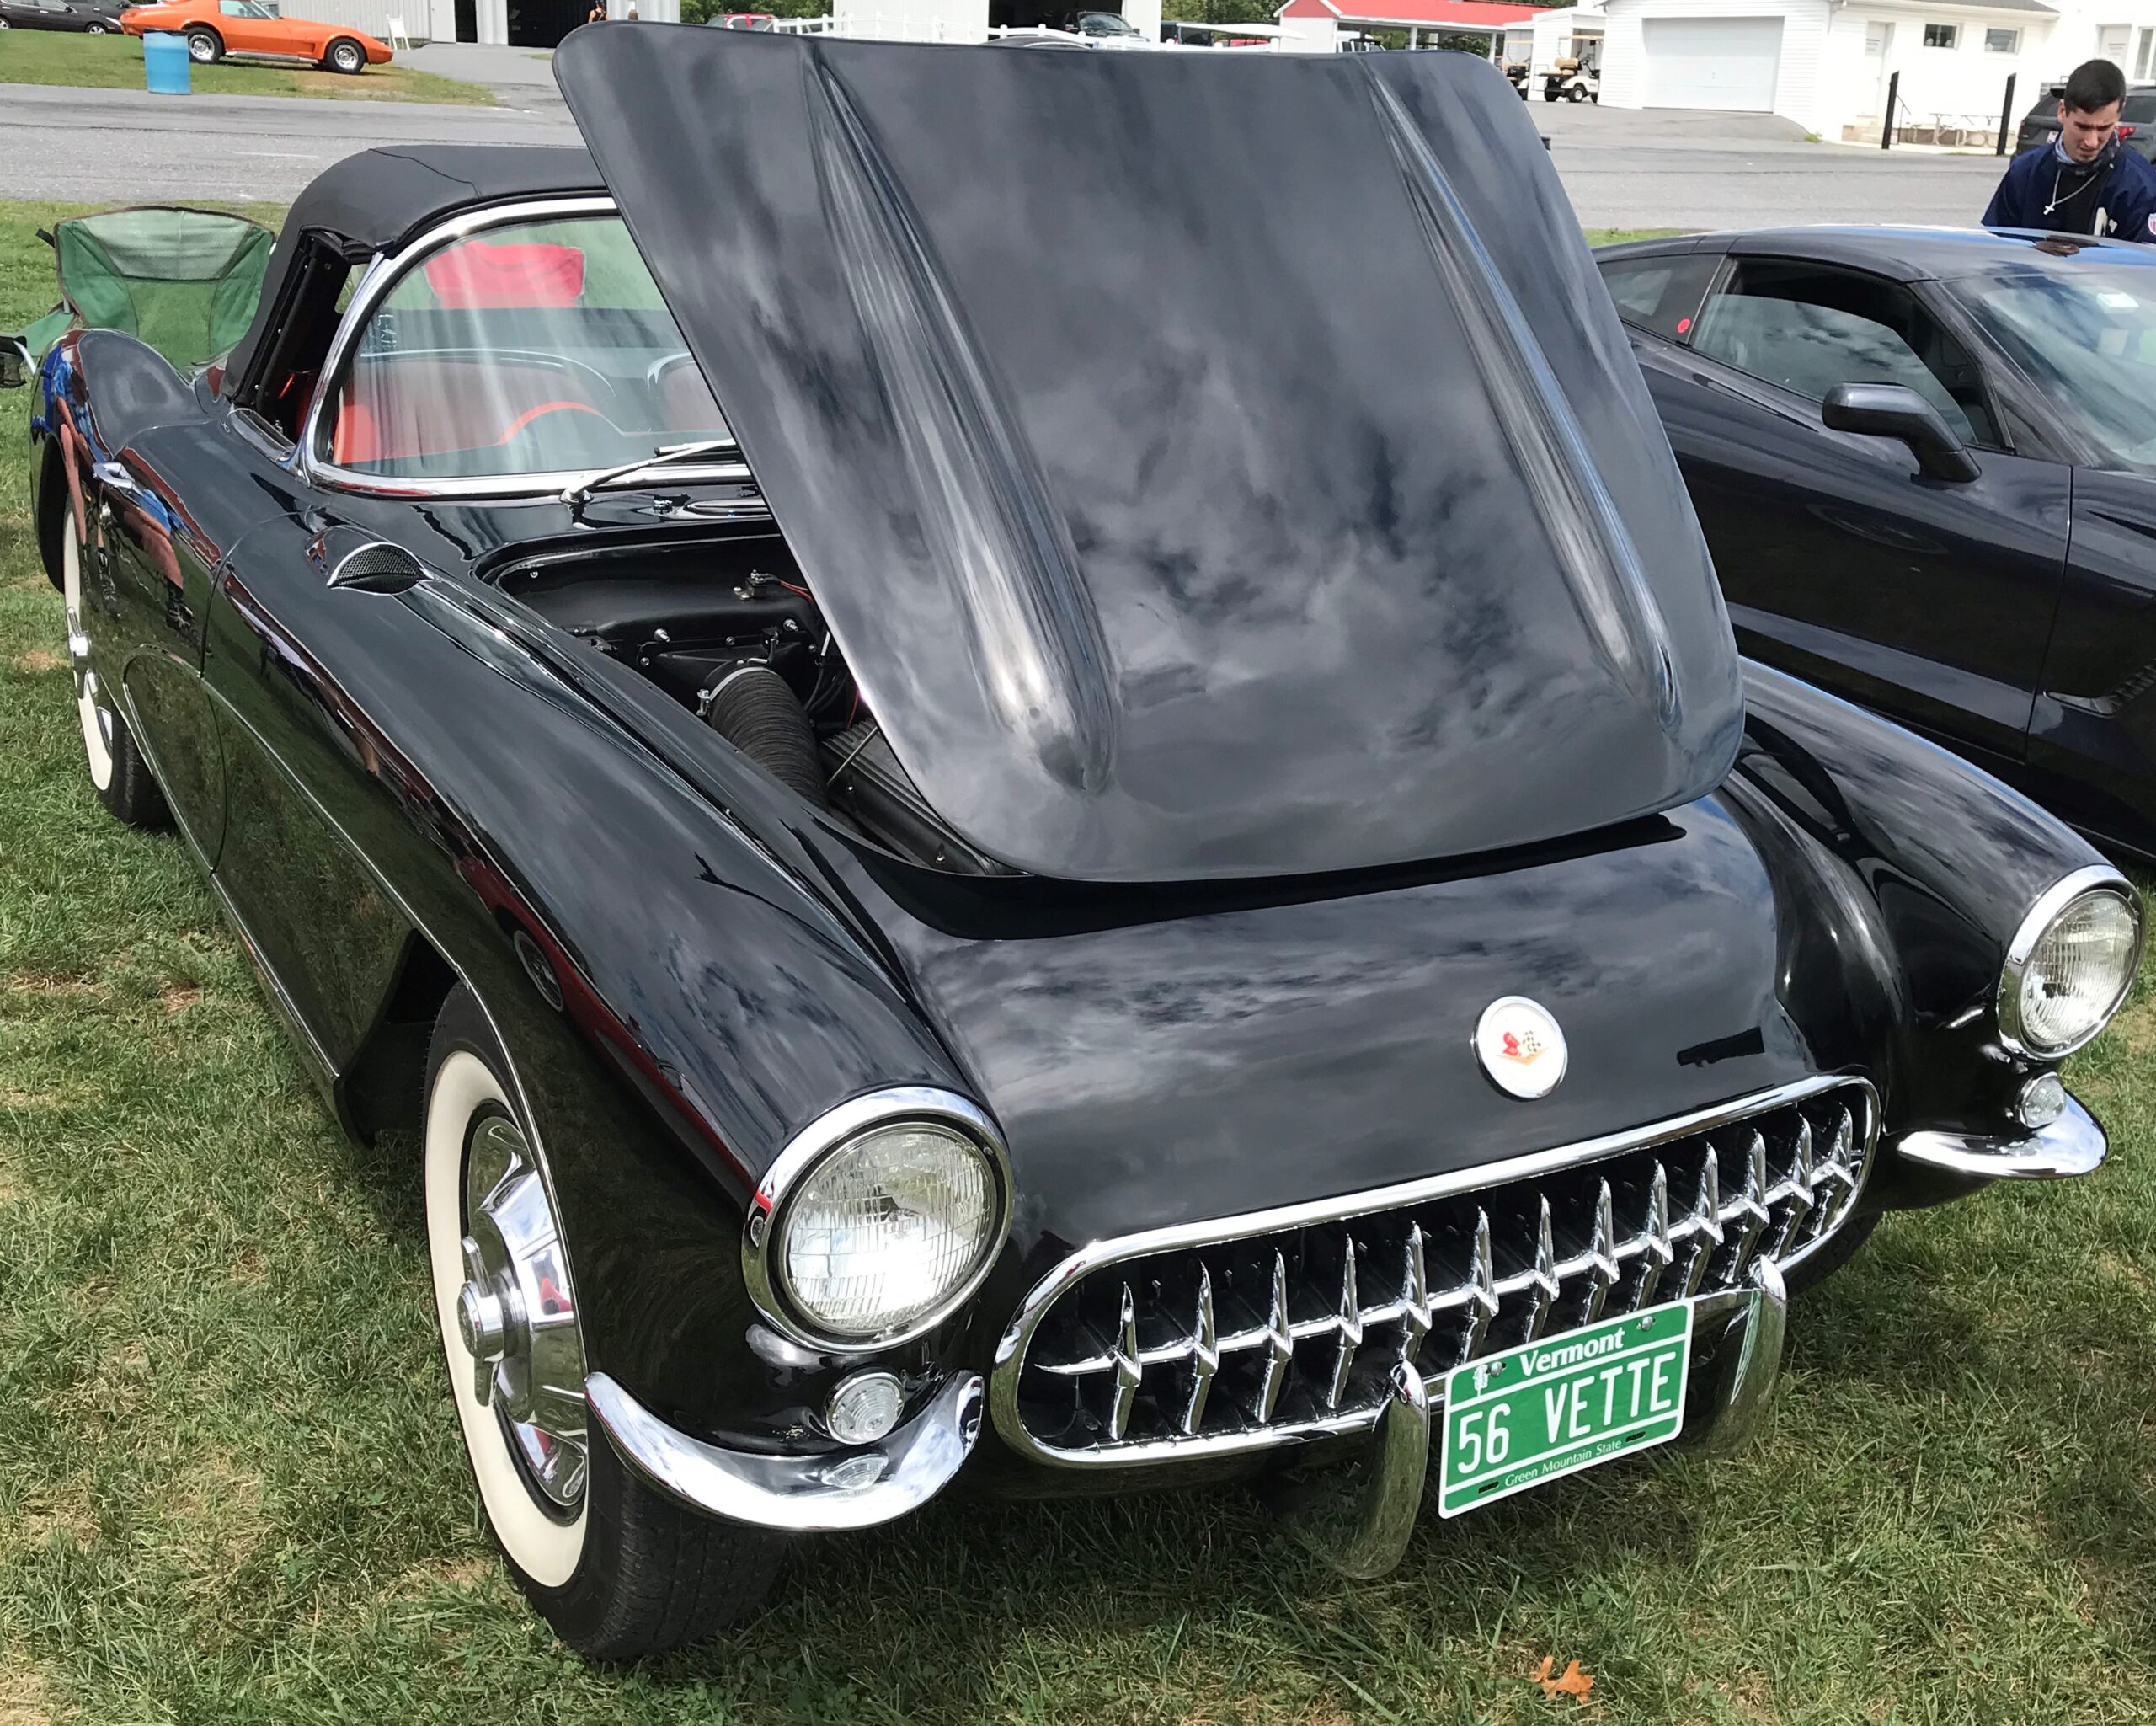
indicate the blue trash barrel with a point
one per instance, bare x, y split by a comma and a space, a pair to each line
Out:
164, 63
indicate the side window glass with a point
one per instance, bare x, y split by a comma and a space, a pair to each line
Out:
1660, 295
1807, 329
2140, 107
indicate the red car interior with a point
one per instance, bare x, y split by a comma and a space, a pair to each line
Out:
389, 412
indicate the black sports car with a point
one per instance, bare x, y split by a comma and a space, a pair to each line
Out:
95, 18
1116, 847
1925, 461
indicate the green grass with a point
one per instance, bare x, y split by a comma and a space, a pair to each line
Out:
230, 1491
115, 63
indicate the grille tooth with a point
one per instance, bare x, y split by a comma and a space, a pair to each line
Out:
1543, 1287
1836, 1174
1705, 1225
1279, 1346
1296, 1330
1481, 1291
1347, 1321
1602, 1258
1748, 1209
1129, 1373
1797, 1206
1414, 1296
1657, 1252
1204, 1354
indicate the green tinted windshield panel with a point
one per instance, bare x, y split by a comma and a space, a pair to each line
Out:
533, 348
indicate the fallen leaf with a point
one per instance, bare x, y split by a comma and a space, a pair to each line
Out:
1571, 1682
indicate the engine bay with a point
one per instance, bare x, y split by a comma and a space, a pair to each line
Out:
728, 627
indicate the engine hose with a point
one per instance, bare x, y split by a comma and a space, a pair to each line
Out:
756, 710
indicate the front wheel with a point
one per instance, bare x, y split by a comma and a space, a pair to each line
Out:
205, 47
345, 56
95, 29
617, 1568
1575, 94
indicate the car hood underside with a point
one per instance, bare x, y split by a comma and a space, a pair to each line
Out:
1207, 469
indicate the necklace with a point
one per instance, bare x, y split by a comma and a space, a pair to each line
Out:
2057, 200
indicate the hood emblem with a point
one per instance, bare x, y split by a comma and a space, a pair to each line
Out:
1520, 1046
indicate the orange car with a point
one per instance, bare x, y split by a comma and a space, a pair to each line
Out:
216, 28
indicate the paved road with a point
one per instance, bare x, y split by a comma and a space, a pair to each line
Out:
1622, 169
99, 145
1668, 169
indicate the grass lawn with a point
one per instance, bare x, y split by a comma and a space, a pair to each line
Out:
230, 1489
115, 63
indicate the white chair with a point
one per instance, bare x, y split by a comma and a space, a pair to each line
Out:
397, 36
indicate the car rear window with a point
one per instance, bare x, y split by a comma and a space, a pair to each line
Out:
2139, 107
1660, 294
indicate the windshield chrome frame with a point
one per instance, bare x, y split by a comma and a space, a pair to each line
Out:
383, 274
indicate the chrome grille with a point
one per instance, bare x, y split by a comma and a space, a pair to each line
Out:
1287, 1329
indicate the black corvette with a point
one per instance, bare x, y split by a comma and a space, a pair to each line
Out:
1925, 462
1182, 888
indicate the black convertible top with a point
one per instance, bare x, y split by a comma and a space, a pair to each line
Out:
378, 199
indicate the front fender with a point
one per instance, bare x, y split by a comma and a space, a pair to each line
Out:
676, 1002
1920, 868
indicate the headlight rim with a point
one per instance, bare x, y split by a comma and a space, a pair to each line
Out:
828, 1135
2051, 905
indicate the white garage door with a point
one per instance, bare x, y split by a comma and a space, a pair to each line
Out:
1713, 63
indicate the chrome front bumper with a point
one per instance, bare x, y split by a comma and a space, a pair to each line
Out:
2072, 1145
799, 1494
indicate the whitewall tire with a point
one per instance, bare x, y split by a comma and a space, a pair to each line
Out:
619, 1569
119, 774
464, 1095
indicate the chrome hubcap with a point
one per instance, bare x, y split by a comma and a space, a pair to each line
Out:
516, 1312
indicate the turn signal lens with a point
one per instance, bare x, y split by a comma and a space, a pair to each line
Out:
864, 1407
888, 1228
2042, 1102
2063, 986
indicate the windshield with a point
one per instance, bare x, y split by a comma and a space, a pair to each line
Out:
534, 348
2089, 342
1104, 24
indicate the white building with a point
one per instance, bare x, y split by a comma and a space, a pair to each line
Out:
1826, 64
529, 23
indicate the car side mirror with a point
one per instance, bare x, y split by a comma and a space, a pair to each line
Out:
1895, 410
15, 362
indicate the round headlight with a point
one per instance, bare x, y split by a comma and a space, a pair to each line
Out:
2070, 966
877, 1228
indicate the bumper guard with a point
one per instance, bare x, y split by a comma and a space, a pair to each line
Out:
799, 1494
2072, 1145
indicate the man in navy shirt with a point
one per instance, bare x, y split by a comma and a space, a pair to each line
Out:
2086, 181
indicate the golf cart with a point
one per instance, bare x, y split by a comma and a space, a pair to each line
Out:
1576, 79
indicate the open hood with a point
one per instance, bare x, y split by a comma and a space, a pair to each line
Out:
1210, 464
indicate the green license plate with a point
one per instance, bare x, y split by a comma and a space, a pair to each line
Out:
1552, 1408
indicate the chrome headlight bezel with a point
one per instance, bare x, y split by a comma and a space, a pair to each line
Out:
830, 1135
2056, 900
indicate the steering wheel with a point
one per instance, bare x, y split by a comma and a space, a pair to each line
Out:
563, 434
